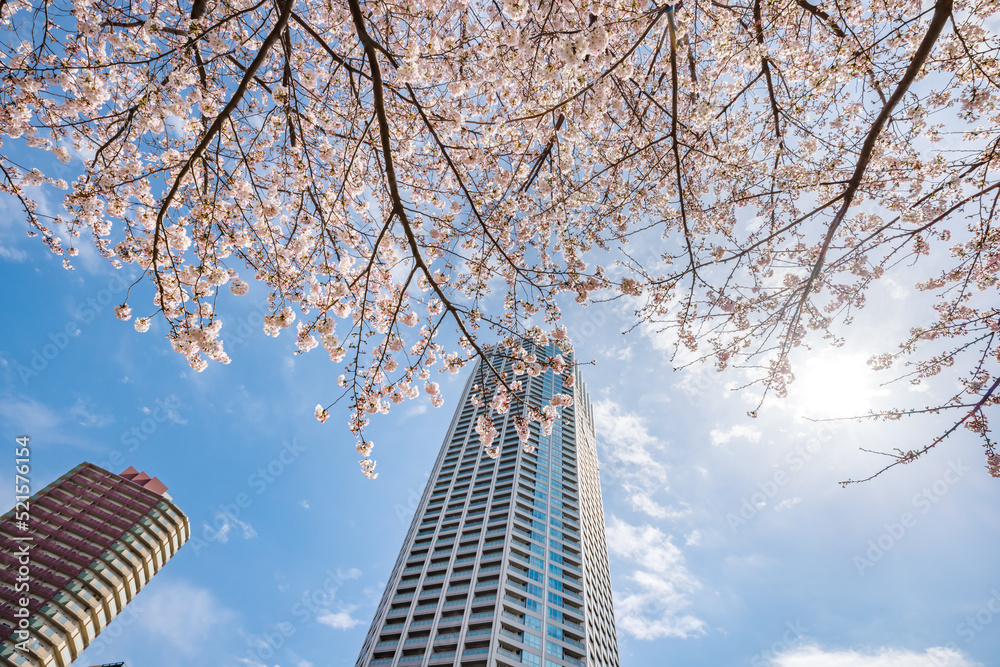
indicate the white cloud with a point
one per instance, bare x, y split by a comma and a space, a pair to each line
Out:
340, 620
304, 504
298, 660
12, 254
628, 439
787, 503
50, 425
29, 411
896, 290
619, 352
182, 614
11, 218
653, 607
415, 410
643, 502
627, 450
166, 407
693, 540
224, 523
720, 437
814, 656
662, 338
87, 417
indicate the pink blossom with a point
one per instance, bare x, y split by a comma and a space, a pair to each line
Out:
321, 414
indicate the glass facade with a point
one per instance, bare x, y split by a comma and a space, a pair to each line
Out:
505, 562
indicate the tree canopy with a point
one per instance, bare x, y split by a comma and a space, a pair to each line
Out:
742, 173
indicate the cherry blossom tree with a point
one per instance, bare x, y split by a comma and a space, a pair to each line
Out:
742, 171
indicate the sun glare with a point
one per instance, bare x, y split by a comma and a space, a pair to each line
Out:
835, 384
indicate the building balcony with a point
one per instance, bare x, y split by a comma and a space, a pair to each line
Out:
416, 640
443, 658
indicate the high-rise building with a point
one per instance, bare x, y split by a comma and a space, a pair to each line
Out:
506, 561
75, 554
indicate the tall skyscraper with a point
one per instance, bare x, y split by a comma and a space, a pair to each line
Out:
506, 561
75, 554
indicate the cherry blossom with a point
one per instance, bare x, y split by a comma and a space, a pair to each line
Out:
388, 176
321, 414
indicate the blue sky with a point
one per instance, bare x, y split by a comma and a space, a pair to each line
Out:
731, 541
